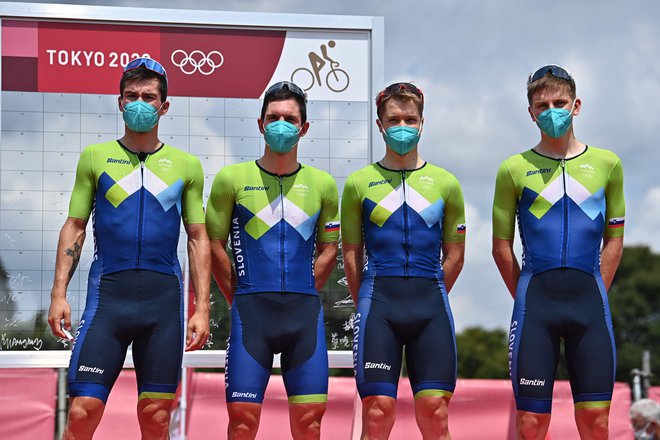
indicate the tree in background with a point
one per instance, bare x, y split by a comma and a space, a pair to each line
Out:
482, 353
635, 304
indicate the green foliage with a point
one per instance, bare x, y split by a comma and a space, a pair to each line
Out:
482, 353
635, 304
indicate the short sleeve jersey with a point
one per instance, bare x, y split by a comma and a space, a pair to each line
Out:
403, 217
137, 205
564, 207
272, 224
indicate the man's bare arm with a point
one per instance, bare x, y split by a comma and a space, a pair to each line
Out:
223, 272
453, 256
199, 256
326, 257
506, 263
69, 249
610, 257
353, 264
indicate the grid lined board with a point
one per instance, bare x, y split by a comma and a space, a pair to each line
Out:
41, 139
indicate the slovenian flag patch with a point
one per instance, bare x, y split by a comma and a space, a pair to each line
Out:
616, 222
460, 229
332, 226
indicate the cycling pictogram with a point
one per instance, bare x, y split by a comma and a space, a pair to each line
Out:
337, 79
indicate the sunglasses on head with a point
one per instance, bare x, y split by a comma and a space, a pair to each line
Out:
555, 70
148, 64
288, 85
396, 88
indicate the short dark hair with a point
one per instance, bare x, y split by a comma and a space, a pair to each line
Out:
285, 94
142, 74
549, 81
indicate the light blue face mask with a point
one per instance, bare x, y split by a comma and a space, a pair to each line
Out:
281, 136
555, 122
140, 116
401, 138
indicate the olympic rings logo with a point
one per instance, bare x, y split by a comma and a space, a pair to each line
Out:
197, 61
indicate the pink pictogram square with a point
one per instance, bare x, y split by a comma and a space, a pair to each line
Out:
20, 38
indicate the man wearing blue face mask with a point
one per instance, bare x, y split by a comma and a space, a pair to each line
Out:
568, 200
280, 217
409, 216
138, 190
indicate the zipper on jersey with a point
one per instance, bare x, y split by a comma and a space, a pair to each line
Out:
282, 230
406, 243
565, 225
141, 212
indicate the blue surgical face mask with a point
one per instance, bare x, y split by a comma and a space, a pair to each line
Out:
555, 122
140, 116
281, 136
401, 138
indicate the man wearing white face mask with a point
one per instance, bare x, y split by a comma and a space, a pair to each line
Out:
568, 199
138, 189
280, 217
409, 216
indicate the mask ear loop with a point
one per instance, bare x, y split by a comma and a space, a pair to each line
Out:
159, 108
573, 106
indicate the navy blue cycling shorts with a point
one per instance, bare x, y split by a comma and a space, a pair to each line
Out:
141, 307
263, 324
394, 312
568, 305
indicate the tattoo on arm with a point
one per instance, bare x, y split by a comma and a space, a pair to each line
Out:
75, 254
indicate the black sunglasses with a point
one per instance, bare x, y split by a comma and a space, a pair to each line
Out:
395, 88
555, 70
288, 85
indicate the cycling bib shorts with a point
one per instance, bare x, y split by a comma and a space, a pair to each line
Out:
264, 324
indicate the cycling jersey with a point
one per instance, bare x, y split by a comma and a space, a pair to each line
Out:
137, 204
274, 222
134, 293
564, 207
403, 217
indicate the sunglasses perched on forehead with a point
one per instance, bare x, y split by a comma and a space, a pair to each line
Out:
555, 70
288, 85
397, 88
148, 64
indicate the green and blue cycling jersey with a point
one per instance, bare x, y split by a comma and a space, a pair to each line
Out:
564, 207
402, 217
273, 223
137, 205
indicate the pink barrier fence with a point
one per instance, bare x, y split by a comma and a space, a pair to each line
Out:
27, 403
479, 409
562, 425
120, 416
208, 414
